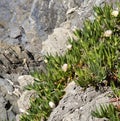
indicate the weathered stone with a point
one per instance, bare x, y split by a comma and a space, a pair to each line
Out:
15, 58
30, 23
11, 116
24, 100
12, 97
25, 80
3, 114
5, 87
77, 104
15, 32
5, 14
26, 28
55, 42
75, 13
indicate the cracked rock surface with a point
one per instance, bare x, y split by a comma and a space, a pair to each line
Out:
16, 63
28, 30
77, 104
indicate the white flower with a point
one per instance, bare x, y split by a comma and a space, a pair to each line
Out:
64, 67
52, 105
69, 46
108, 33
46, 61
115, 13
23, 111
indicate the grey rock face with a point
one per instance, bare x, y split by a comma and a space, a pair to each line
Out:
3, 114
24, 101
25, 80
29, 28
16, 59
11, 116
13, 99
75, 12
15, 62
31, 22
5, 86
77, 104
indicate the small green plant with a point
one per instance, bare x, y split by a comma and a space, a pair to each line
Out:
90, 59
110, 111
107, 111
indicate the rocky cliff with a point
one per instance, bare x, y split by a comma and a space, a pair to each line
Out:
28, 30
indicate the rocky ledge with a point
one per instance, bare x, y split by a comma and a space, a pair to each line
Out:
29, 29
77, 104
16, 64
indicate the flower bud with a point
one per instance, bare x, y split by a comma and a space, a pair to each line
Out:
64, 67
52, 105
108, 33
69, 46
115, 13
46, 61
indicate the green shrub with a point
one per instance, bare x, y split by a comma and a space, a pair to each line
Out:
107, 111
90, 59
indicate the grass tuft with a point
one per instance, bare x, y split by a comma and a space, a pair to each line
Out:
90, 59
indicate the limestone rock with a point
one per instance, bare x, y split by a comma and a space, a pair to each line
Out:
31, 22
25, 80
3, 114
16, 59
5, 87
29, 28
15, 32
13, 99
56, 42
24, 100
75, 13
11, 116
77, 104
